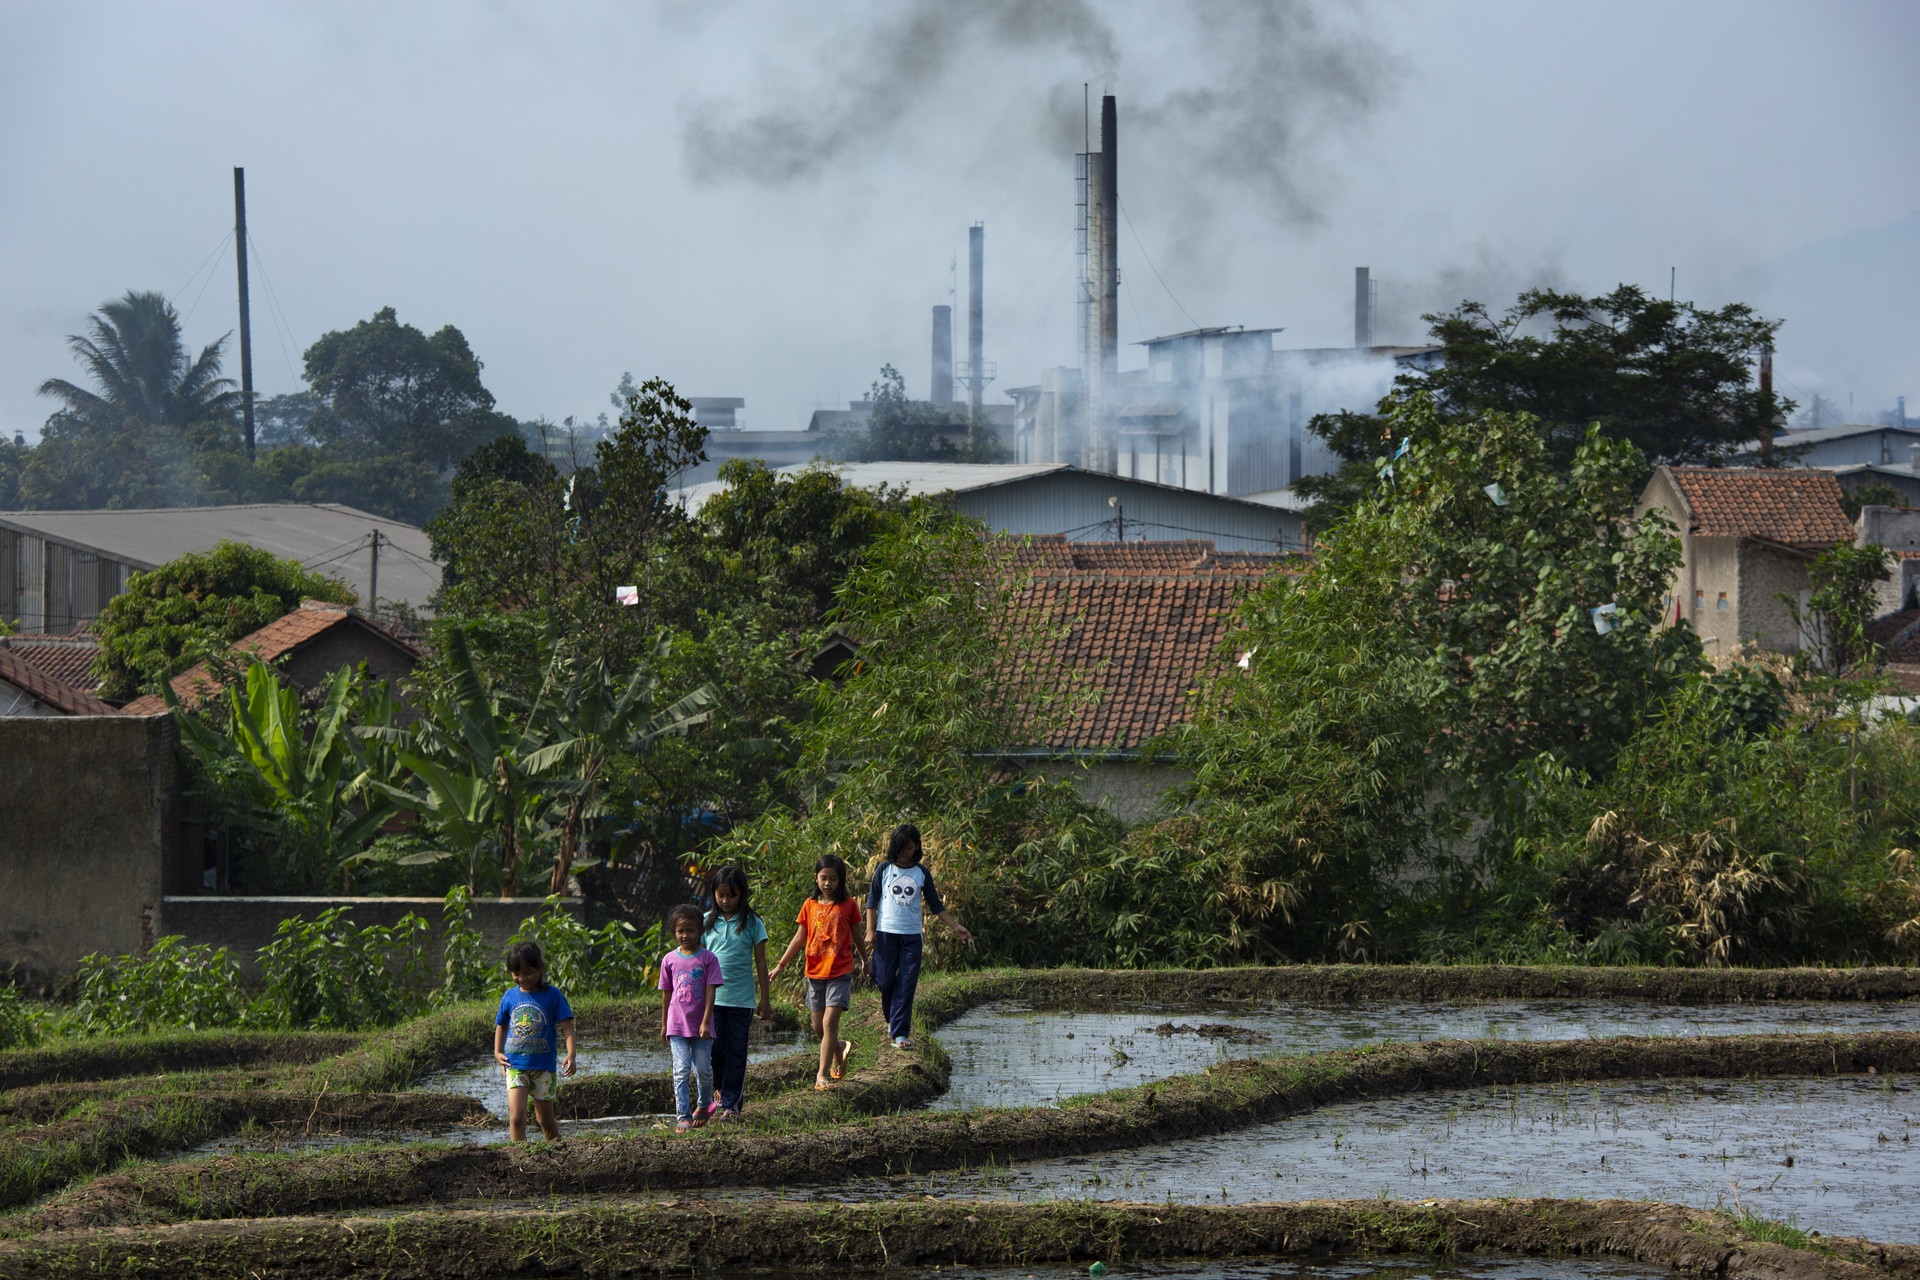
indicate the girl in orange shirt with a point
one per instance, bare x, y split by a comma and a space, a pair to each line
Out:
828, 930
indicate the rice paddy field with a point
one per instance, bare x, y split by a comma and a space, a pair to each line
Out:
1339, 1122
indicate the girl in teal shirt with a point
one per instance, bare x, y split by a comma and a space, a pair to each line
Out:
736, 935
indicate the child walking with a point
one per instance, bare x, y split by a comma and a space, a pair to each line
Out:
737, 936
689, 976
896, 900
827, 921
532, 1014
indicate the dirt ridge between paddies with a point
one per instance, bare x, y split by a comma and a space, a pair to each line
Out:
944, 997
112, 1059
692, 1237
1230, 1094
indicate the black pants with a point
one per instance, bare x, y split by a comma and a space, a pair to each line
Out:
730, 1027
896, 973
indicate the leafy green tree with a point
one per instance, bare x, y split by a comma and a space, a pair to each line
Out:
1843, 599
521, 537
901, 429
1671, 379
386, 388
1443, 639
788, 541
1538, 606
190, 609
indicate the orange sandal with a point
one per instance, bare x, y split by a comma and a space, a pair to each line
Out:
839, 1068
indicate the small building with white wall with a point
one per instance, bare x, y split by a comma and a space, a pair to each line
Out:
1747, 535
1054, 498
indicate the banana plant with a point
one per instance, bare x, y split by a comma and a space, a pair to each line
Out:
589, 716
467, 772
276, 778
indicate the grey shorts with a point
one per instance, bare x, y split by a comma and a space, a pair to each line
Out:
829, 993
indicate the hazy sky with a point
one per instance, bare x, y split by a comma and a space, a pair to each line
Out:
763, 200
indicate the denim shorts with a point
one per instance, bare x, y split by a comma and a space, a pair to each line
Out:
829, 993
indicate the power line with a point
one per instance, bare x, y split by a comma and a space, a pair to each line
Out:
1156, 271
202, 267
203, 287
273, 302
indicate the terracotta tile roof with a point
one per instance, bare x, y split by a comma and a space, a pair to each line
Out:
43, 688
1799, 506
66, 658
1147, 621
277, 639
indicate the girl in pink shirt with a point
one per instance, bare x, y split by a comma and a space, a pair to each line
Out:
688, 975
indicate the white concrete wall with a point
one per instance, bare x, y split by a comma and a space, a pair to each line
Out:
1131, 792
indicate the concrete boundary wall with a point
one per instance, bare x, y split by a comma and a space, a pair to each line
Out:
247, 924
89, 839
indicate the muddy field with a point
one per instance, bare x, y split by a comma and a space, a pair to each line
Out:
1771, 1105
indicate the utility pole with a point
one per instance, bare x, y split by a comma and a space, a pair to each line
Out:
373, 573
246, 322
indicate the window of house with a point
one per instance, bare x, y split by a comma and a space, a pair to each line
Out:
1721, 603
1699, 599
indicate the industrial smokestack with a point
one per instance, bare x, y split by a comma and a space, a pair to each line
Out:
1770, 422
1362, 307
976, 313
1104, 378
941, 390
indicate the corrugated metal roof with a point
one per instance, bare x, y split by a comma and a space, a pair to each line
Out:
327, 537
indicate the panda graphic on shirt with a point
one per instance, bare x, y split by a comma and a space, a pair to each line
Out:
900, 893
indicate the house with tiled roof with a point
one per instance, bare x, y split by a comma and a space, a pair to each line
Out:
26, 690
64, 656
1746, 537
307, 646
1142, 624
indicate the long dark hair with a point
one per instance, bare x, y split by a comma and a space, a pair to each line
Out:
735, 879
904, 835
835, 863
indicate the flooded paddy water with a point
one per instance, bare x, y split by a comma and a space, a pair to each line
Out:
1837, 1155
1008, 1054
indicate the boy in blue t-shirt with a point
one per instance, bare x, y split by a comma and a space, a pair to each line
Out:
532, 1017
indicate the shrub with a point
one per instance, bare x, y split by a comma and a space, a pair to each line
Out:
613, 960
173, 985
326, 973
467, 971
16, 1020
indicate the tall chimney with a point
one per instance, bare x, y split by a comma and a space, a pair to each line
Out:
941, 390
1362, 308
976, 312
1770, 422
1105, 379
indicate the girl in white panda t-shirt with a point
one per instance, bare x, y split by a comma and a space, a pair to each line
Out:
898, 900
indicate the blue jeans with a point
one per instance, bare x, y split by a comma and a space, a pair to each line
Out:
692, 1073
730, 1028
896, 974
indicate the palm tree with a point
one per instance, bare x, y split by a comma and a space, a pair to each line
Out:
135, 357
